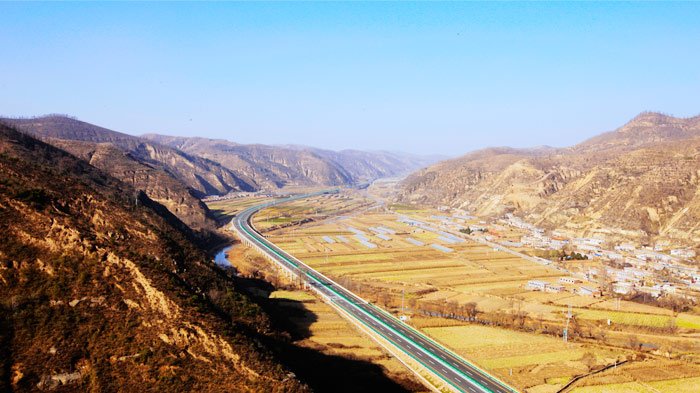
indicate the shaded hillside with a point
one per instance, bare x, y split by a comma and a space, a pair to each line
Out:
276, 166
102, 289
156, 183
169, 176
639, 181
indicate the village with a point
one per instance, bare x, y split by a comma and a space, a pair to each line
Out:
589, 269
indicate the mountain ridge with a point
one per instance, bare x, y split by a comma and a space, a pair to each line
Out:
638, 180
103, 289
276, 166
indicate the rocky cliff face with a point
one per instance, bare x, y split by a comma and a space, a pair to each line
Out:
277, 166
177, 171
157, 184
638, 181
203, 176
101, 293
169, 176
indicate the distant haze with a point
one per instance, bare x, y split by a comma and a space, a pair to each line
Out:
421, 78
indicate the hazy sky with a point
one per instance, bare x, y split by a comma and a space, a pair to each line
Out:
427, 78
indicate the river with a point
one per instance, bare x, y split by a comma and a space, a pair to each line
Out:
220, 258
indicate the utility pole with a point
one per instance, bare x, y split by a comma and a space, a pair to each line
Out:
566, 329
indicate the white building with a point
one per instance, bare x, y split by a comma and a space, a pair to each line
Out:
569, 280
537, 285
622, 288
589, 241
683, 253
627, 247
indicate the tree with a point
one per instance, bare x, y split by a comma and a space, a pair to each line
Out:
633, 342
589, 360
604, 280
471, 311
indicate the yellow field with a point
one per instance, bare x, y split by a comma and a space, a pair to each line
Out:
334, 335
314, 208
232, 206
663, 376
683, 385
473, 272
639, 319
533, 359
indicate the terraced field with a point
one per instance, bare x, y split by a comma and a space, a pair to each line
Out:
534, 362
472, 272
647, 377
379, 251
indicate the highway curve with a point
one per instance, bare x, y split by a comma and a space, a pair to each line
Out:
456, 372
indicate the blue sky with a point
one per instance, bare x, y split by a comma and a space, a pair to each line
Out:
419, 77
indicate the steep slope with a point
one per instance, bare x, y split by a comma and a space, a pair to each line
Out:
101, 289
169, 176
268, 166
276, 166
156, 183
639, 181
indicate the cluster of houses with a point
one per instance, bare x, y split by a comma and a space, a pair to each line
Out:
654, 270
643, 265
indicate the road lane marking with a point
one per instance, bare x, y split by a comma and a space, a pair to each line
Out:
373, 318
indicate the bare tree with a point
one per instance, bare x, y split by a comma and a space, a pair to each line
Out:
471, 311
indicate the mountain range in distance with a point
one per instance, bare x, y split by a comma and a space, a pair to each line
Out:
270, 167
639, 182
178, 171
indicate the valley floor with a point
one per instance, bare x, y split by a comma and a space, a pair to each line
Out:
424, 275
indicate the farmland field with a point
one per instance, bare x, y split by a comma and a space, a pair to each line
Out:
534, 361
315, 325
646, 377
229, 207
382, 254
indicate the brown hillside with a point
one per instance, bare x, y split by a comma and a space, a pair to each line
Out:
99, 292
169, 176
640, 181
277, 166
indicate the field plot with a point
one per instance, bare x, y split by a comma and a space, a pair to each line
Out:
405, 273
230, 207
304, 210
537, 363
330, 333
404, 259
645, 377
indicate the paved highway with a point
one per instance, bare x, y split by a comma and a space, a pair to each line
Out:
452, 369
